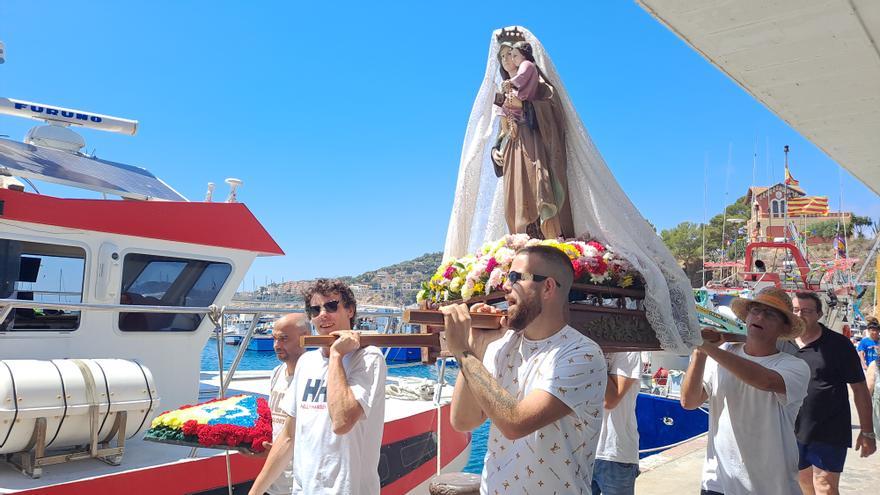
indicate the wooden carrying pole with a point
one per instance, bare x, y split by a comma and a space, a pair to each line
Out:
482, 321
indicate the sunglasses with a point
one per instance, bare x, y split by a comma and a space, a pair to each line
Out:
515, 277
758, 309
329, 306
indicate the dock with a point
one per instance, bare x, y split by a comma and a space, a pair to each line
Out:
679, 469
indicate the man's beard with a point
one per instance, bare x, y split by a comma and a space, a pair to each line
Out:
523, 312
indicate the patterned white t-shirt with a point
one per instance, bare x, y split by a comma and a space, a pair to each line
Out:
559, 457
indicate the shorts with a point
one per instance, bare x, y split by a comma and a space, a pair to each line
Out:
822, 455
614, 478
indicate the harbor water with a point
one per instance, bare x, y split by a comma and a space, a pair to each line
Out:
265, 360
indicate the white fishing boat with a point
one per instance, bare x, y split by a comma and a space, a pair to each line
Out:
83, 370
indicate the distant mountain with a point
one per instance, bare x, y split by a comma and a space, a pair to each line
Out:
424, 264
393, 285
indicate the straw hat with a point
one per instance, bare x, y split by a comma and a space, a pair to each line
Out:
777, 299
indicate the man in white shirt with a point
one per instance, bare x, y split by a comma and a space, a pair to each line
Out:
335, 406
285, 335
541, 383
617, 455
754, 393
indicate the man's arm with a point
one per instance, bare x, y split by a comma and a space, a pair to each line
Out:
345, 410
514, 419
748, 371
616, 389
862, 400
466, 412
279, 458
862, 358
693, 395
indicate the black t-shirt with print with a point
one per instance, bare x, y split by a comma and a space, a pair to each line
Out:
825, 414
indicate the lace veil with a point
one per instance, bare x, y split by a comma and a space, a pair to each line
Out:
599, 206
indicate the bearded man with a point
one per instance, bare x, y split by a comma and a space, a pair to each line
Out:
541, 382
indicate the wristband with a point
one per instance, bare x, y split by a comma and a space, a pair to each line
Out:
868, 434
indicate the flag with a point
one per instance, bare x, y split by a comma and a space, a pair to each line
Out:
808, 205
840, 245
789, 180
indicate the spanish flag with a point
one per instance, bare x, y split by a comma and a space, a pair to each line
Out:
789, 180
808, 205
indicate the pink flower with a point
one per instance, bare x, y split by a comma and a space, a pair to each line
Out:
491, 264
495, 279
449, 273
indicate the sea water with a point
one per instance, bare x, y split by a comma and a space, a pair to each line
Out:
266, 360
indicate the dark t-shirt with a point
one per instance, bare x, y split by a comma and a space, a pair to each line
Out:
834, 363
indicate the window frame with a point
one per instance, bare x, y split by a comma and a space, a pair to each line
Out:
86, 281
188, 257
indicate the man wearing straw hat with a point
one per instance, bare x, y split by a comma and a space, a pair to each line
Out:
754, 393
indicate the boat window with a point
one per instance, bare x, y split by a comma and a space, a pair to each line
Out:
150, 280
32, 271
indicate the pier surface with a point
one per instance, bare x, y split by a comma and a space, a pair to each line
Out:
678, 470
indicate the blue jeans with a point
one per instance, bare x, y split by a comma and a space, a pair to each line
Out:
614, 478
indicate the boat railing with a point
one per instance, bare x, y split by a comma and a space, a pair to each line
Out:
215, 313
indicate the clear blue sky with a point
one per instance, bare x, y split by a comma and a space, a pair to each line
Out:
345, 120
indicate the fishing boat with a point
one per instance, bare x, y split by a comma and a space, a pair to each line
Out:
83, 370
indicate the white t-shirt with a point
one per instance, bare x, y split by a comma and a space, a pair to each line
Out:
324, 462
278, 385
752, 447
559, 457
619, 440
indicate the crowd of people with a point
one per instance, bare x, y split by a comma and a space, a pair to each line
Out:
562, 412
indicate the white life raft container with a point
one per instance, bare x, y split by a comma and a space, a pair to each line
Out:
62, 391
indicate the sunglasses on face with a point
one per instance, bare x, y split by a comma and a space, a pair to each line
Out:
329, 306
515, 277
756, 309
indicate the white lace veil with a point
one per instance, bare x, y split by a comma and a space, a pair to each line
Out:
599, 206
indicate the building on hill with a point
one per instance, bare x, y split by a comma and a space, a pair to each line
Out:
772, 205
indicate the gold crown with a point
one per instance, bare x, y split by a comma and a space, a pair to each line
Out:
510, 35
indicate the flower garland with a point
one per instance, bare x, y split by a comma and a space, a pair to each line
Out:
242, 421
486, 271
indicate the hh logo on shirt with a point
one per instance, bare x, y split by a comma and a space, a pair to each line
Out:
315, 391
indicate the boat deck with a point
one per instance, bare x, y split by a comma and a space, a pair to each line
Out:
678, 470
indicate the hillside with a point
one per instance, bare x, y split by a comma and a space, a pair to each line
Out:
393, 285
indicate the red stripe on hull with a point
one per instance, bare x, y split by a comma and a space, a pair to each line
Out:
170, 479
191, 223
452, 443
207, 473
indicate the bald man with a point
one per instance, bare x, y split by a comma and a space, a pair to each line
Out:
286, 333
542, 383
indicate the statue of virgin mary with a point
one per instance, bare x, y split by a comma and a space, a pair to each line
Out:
571, 192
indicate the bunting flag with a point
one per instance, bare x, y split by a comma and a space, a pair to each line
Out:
808, 205
840, 245
789, 180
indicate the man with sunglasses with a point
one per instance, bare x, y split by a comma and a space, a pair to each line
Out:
335, 406
541, 383
754, 394
823, 429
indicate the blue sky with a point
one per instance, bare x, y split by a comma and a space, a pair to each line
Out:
345, 120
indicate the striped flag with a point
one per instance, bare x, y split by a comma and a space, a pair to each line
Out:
789, 180
808, 205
